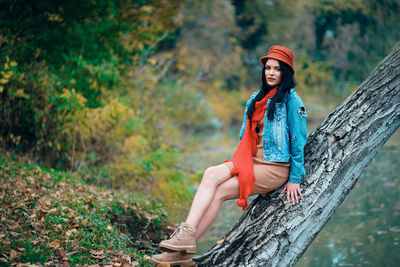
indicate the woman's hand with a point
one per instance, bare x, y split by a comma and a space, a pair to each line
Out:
291, 192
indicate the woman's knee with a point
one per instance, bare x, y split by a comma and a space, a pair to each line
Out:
210, 177
215, 175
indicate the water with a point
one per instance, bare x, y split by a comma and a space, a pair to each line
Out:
365, 229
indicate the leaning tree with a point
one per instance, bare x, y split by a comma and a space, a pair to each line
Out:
274, 233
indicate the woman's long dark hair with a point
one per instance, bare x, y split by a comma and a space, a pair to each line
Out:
283, 89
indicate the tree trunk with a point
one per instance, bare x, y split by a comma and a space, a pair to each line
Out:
274, 233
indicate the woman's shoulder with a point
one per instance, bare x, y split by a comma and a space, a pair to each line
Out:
253, 95
292, 93
294, 98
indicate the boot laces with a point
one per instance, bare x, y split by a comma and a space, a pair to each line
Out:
178, 233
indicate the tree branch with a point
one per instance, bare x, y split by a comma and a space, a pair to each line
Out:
273, 233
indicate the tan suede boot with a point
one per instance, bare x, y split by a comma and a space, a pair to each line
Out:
174, 259
183, 239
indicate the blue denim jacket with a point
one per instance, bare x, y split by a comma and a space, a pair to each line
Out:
285, 136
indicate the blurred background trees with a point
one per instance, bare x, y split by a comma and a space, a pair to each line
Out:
118, 90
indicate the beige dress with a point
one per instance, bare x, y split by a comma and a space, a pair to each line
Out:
268, 175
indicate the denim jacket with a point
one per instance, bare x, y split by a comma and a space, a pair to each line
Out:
285, 136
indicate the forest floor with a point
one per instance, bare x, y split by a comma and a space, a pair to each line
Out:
54, 218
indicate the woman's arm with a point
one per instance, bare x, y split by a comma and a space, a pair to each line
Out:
298, 138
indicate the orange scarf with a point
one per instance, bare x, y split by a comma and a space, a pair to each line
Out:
243, 157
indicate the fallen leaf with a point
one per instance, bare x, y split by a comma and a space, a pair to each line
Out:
146, 257
151, 217
219, 242
85, 222
30, 179
71, 233
72, 253
54, 244
27, 265
97, 254
14, 226
52, 210
126, 258
66, 209
13, 254
15, 234
163, 264
25, 214
41, 225
61, 253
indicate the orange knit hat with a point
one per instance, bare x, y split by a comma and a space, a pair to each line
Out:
280, 53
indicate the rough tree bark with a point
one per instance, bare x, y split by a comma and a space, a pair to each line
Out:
274, 233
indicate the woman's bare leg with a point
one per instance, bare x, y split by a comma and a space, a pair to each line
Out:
225, 191
212, 178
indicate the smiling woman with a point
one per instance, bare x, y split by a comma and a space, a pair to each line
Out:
269, 154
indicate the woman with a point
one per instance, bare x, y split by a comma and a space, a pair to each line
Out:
270, 154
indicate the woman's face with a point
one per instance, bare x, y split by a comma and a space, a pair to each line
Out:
273, 73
